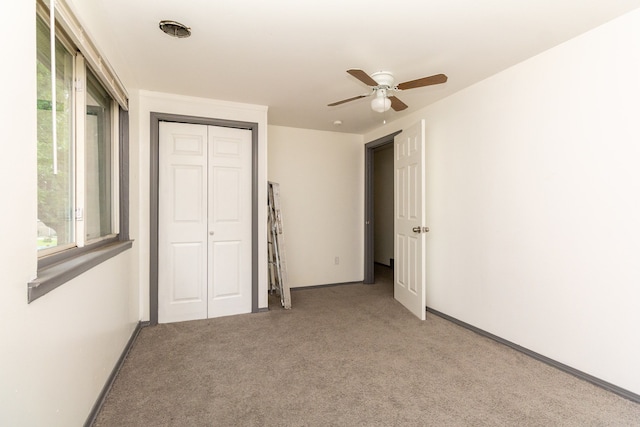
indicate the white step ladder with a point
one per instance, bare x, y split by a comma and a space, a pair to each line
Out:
278, 278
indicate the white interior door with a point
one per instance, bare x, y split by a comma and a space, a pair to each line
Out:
204, 220
229, 287
182, 222
409, 219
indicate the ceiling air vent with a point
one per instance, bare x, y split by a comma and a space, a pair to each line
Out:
175, 29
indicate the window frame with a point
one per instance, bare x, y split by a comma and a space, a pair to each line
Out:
57, 267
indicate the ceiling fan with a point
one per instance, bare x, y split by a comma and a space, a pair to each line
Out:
382, 83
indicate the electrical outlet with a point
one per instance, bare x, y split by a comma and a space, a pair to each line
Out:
337, 260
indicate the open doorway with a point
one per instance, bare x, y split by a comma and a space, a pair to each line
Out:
378, 233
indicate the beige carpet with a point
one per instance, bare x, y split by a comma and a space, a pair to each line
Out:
346, 355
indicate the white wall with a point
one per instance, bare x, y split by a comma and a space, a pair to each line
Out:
321, 177
146, 102
383, 205
533, 201
57, 352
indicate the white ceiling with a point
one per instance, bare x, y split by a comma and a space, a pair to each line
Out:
292, 55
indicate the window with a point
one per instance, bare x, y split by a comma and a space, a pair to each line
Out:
55, 155
82, 139
98, 162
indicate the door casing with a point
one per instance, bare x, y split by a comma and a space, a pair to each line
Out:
156, 118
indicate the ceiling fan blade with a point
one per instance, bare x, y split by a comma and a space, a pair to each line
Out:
346, 100
425, 81
363, 77
396, 104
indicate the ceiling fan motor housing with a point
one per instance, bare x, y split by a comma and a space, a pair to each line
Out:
384, 79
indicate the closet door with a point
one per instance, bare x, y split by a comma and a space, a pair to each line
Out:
204, 236
229, 221
182, 222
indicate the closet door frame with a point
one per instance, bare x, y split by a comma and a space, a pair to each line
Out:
156, 118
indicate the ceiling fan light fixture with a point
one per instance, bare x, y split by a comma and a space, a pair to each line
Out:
382, 82
380, 103
175, 29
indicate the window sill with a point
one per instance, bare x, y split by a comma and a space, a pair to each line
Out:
52, 276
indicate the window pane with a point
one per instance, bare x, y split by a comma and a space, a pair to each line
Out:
98, 154
55, 161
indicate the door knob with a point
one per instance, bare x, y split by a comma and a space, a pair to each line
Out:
420, 229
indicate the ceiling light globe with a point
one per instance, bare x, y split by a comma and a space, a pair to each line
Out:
380, 104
